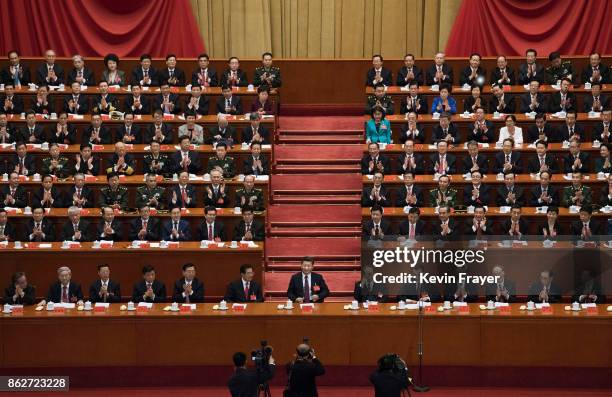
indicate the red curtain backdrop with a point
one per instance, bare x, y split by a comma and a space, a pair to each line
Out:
509, 27
98, 27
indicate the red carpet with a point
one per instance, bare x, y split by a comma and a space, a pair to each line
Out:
325, 123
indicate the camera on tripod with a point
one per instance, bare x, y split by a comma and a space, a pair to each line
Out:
261, 356
394, 363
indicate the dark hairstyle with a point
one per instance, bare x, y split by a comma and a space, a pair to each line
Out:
222, 144
225, 87
531, 50
540, 116
147, 268
145, 56
203, 55
378, 85
539, 141
85, 145
308, 259
553, 209
245, 267
586, 208
8, 54
446, 87
110, 57
112, 175
414, 210
20, 143
247, 208
158, 111
103, 265
510, 116
516, 207
377, 56
29, 112
376, 208
188, 265
262, 88
413, 82
475, 54
189, 113
409, 55
479, 206
554, 55
378, 109
16, 276
266, 53
170, 56
239, 359
209, 208
230, 59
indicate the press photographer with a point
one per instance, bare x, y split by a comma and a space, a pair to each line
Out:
391, 378
302, 372
249, 382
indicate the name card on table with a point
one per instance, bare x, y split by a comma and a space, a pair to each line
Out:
307, 307
239, 307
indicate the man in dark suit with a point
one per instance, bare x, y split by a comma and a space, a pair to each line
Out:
544, 194
533, 101
76, 102
502, 74
78, 194
474, 161
204, 76
109, 228
75, 229
445, 228
376, 194
306, 286
49, 73
446, 131
586, 228
19, 292
228, 103
412, 228
104, 289
166, 101
374, 161
509, 194
39, 229
96, 133
244, 382
442, 162
8, 133
477, 193
173, 75
508, 160
302, 372
542, 161
256, 163
86, 163
249, 229
255, 131
222, 132
501, 102
15, 72
530, 70
13, 195
603, 131
473, 74
576, 160
158, 131
7, 230
504, 290
482, 130
211, 229
144, 75
149, 289
182, 195
409, 72
22, 162
460, 291
233, 76
64, 290
515, 226
544, 290
79, 73
409, 194
186, 160
596, 72
189, 288
145, 227
48, 196
414, 102
104, 102
596, 102
128, 132
479, 226
571, 130
542, 131
409, 161
244, 289
10, 102
31, 132
175, 228
378, 74
196, 103
216, 194
563, 100
136, 103
439, 72
376, 228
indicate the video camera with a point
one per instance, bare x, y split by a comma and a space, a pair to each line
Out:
261, 356
394, 363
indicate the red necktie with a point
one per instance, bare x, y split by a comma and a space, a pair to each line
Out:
412, 230
246, 291
210, 232
306, 290
64, 294
184, 197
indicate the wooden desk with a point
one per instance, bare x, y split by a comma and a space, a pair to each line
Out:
134, 181
216, 267
479, 338
194, 216
138, 151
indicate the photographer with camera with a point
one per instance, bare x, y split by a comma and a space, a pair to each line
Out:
302, 372
391, 378
250, 382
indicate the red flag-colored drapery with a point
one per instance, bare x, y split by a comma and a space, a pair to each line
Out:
509, 27
98, 27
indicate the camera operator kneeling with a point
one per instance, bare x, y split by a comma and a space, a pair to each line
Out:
391, 377
245, 382
302, 373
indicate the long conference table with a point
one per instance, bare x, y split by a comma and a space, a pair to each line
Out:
204, 336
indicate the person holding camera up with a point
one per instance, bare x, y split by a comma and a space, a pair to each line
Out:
391, 377
302, 373
246, 382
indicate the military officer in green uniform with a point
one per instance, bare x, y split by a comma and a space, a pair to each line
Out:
114, 195
558, 69
577, 193
150, 194
249, 195
380, 98
443, 194
55, 164
156, 162
267, 74
222, 161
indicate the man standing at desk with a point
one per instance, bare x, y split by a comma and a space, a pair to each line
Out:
306, 286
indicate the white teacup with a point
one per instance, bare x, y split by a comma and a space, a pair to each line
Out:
130, 305
530, 305
289, 304
575, 306
88, 305
447, 305
354, 305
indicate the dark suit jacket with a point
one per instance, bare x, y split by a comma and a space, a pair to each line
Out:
9, 232
508, 101
470, 289
29, 297
491, 291
114, 292
47, 228
431, 73
138, 75
404, 228
57, 196
302, 378
533, 164
218, 231
554, 294
417, 137
41, 75
568, 161
438, 133
467, 72
86, 193
588, 102
496, 76
257, 229
515, 160
469, 223
17, 104
317, 287
193, 168
555, 102
248, 166
526, 102
159, 99
28, 162
212, 75
82, 101
419, 164
549, 130
55, 292
368, 226
544, 226
159, 289
129, 102
502, 194
475, 134
507, 224
365, 162
183, 229
604, 70
247, 134
152, 229
470, 102
403, 72
68, 231
371, 293
236, 104
111, 101
524, 79
402, 192
450, 163
39, 133
197, 288
235, 292
228, 135
149, 133
117, 228
217, 199
594, 227
242, 78
422, 103
483, 196
384, 73
564, 133
19, 196
536, 192
191, 194
163, 75
24, 79
245, 382
134, 131
481, 161
105, 135
366, 201
68, 138
437, 230
88, 76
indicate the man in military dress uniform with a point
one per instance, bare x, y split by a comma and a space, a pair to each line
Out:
380, 98
156, 162
150, 194
55, 164
267, 74
249, 195
558, 69
222, 161
114, 195
577, 193
443, 194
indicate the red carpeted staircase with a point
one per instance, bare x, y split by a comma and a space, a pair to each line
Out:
315, 202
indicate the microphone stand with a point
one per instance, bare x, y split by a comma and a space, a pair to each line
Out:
420, 387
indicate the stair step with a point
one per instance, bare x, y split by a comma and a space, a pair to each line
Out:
319, 231
321, 140
317, 160
317, 200
320, 133
300, 169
